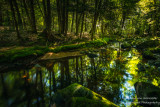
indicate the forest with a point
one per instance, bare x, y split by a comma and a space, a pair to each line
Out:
79, 53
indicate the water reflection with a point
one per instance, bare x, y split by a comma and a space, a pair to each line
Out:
112, 74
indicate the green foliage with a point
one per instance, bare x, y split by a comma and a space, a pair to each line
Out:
76, 95
13, 54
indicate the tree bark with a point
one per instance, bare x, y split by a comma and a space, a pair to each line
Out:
72, 22
59, 14
48, 21
96, 15
14, 18
1, 19
33, 21
27, 12
84, 1
18, 12
66, 16
77, 26
82, 25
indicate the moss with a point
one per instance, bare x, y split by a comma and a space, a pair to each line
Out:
13, 54
76, 95
148, 55
148, 44
97, 43
126, 45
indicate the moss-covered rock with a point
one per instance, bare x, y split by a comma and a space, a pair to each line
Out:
148, 44
148, 55
126, 45
16, 53
146, 93
76, 95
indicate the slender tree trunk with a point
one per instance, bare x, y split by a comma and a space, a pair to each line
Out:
102, 28
84, 1
15, 21
96, 15
45, 12
23, 18
72, 22
1, 16
27, 12
77, 18
53, 23
63, 18
82, 25
33, 21
48, 23
66, 15
59, 14
18, 12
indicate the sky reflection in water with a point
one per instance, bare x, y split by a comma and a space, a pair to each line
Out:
112, 74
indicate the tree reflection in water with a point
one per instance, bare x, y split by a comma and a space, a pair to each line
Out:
112, 74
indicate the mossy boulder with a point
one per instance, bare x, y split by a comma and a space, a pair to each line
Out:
147, 92
126, 45
77, 95
148, 55
148, 44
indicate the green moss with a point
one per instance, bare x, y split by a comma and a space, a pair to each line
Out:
148, 55
13, 54
97, 43
76, 95
126, 45
148, 44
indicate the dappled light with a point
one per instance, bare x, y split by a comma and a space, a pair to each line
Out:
79, 53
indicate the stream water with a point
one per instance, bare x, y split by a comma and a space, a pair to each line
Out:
112, 74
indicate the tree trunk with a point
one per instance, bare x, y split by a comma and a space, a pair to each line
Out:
82, 25
18, 12
77, 28
66, 16
72, 22
84, 1
102, 28
86, 23
48, 21
15, 21
1, 19
59, 14
33, 21
27, 12
96, 15
63, 18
